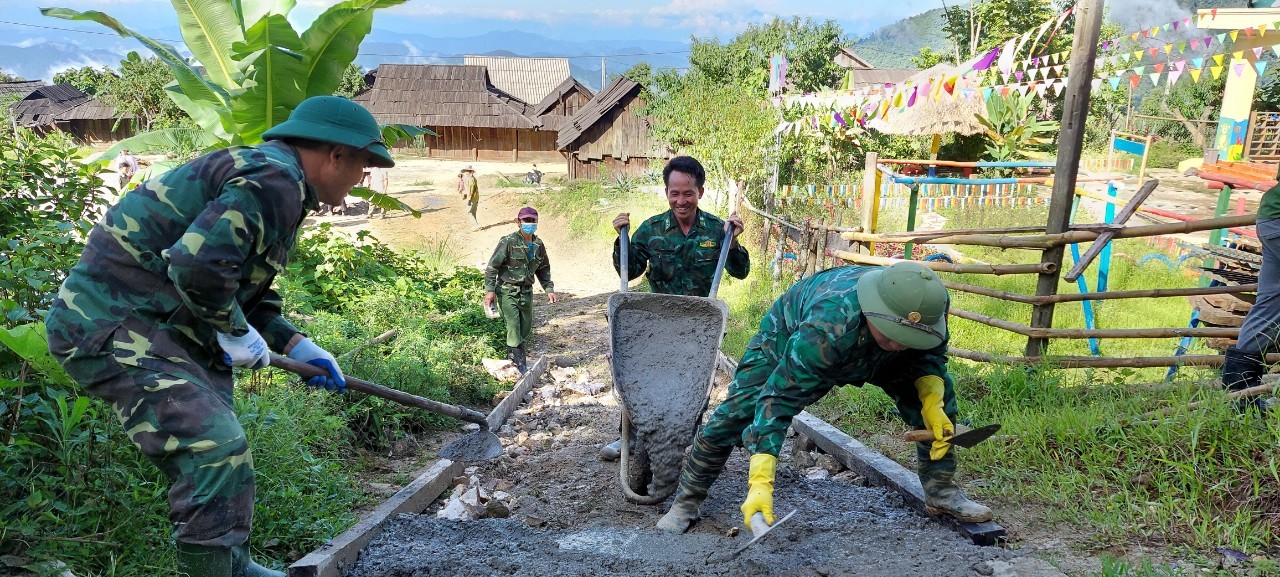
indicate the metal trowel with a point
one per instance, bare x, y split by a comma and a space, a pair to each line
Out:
759, 528
966, 439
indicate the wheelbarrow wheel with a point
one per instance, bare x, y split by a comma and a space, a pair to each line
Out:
639, 474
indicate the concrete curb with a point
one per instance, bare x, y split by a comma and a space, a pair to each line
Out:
334, 558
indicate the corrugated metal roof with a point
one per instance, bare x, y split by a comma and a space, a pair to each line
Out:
43, 104
529, 79
23, 87
880, 76
603, 102
91, 109
441, 95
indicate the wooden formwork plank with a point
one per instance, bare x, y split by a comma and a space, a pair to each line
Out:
886, 472
334, 558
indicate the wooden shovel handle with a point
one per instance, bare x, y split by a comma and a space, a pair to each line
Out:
927, 435
390, 394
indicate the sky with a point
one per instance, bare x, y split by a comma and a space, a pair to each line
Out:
671, 20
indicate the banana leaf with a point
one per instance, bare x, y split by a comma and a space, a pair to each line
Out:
251, 11
383, 201
210, 28
275, 85
165, 140
333, 40
194, 85
394, 133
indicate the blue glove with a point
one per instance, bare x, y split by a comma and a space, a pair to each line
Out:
247, 350
307, 352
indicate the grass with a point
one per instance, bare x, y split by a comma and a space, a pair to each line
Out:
1200, 479
590, 207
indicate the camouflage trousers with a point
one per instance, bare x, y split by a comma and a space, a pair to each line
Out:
179, 414
735, 423
516, 306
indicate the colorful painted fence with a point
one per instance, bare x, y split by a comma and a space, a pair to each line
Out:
931, 196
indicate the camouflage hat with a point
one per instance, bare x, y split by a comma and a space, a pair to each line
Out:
335, 120
907, 302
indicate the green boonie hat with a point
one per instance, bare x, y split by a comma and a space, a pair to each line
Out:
335, 120
907, 302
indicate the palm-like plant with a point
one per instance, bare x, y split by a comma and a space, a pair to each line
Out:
1012, 129
254, 69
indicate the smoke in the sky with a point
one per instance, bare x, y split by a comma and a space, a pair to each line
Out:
1133, 15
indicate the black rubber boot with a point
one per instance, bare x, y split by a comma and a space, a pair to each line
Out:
243, 565
1242, 370
942, 495
701, 468
202, 561
517, 357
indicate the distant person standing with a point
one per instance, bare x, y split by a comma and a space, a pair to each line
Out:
469, 188
379, 182
508, 279
127, 166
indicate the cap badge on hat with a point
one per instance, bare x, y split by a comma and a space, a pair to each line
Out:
913, 316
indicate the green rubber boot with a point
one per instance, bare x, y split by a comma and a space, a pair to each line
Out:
244, 566
942, 495
700, 470
202, 561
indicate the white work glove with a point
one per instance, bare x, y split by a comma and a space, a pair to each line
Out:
247, 350
308, 352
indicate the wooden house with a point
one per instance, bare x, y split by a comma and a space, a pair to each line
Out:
609, 132
65, 108
562, 103
472, 118
864, 74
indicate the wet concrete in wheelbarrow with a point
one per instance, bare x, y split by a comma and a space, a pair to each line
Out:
575, 522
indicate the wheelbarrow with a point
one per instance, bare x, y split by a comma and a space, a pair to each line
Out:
662, 351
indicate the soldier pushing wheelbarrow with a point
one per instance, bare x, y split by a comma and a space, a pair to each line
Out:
664, 344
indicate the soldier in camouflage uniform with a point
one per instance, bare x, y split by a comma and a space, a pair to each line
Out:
843, 326
174, 289
680, 247
520, 257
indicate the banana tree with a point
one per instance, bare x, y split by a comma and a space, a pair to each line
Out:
254, 69
1012, 129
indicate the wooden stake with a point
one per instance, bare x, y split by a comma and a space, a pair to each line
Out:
1230, 396
1072, 297
1075, 362
996, 269
1140, 333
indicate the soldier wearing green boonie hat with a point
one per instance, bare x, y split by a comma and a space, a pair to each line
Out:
843, 326
173, 290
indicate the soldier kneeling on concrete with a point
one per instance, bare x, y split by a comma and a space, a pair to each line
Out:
843, 326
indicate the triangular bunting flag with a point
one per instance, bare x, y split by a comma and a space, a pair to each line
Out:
1238, 68
1167, 48
1125, 57
1248, 33
1140, 69
1153, 50
1005, 90
1186, 21
1159, 66
1023, 88
1166, 26
1040, 89
1018, 74
1182, 47
1137, 55
969, 92
1115, 82
1219, 37
1195, 43
1054, 86
1216, 70
1059, 85
1262, 30
1260, 66
1195, 75
1173, 76
1145, 33
1217, 59
1057, 70
1197, 63
1234, 34
1134, 36
1257, 52
1155, 32
1134, 79
1175, 24
1179, 65
1237, 55
986, 93
1276, 49
1155, 78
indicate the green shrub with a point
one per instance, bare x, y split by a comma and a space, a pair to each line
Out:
1168, 153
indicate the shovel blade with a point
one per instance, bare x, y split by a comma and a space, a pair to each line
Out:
481, 445
968, 439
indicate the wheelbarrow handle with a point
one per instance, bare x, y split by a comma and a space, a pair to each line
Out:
388, 393
724, 257
624, 254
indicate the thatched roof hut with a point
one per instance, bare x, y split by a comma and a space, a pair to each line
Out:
64, 107
946, 116
41, 106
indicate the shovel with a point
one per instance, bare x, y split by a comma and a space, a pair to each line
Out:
759, 528
481, 445
966, 439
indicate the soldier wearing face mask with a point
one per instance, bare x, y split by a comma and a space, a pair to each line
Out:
508, 280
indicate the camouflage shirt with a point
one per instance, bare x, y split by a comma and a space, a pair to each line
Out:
815, 338
681, 264
192, 251
516, 261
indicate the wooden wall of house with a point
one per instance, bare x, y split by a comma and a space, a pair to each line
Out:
633, 166
497, 144
569, 104
621, 133
100, 130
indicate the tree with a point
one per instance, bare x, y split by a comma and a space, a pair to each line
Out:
86, 79
810, 48
352, 81
986, 24
139, 90
6, 77
928, 58
1013, 130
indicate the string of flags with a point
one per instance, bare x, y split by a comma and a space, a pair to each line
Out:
931, 196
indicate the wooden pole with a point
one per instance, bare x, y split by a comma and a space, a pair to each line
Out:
1230, 396
1041, 241
995, 269
1076, 362
1070, 144
1070, 297
1140, 333
870, 197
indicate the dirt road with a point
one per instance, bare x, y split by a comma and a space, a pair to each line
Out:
561, 510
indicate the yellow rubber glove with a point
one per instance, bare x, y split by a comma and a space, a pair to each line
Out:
760, 488
931, 389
